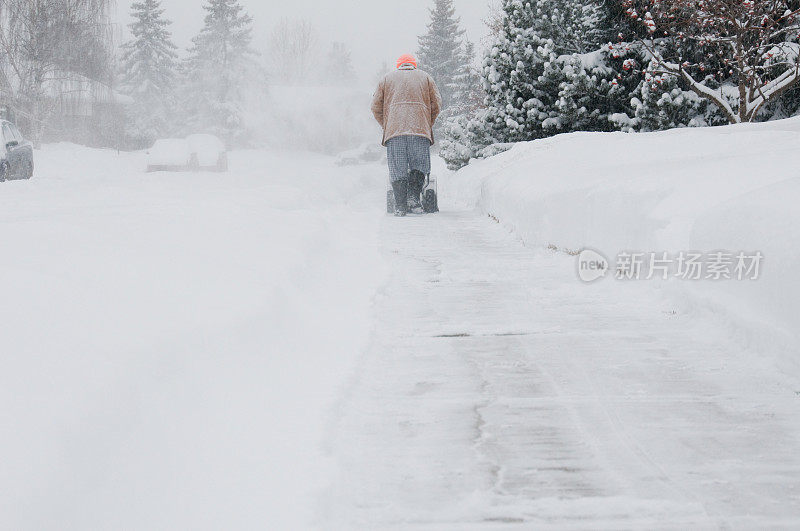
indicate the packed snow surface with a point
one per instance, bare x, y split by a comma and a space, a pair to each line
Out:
511, 396
171, 343
265, 349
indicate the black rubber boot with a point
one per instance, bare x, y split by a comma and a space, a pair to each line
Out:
400, 197
416, 182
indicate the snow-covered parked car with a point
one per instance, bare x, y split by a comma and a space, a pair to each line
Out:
170, 154
365, 154
210, 152
16, 155
194, 153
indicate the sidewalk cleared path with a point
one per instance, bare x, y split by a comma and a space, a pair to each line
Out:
500, 392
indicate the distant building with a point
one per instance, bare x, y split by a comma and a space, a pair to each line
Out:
66, 93
85, 111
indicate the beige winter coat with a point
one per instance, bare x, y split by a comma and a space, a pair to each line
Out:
407, 102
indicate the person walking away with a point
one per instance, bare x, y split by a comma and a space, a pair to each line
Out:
406, 104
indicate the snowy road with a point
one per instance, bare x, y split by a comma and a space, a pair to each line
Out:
170, 343
500, 392
265, 349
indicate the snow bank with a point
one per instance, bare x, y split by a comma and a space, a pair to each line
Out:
733, 188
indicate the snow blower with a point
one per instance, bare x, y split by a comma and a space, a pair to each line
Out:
430, 197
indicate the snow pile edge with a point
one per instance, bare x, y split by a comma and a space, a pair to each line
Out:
727, 188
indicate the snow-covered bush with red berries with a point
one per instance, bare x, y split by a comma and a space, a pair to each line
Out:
740, 55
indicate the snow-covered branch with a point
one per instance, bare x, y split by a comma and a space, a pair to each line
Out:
695, 86
750, 45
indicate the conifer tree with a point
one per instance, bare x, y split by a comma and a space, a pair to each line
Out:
148, 72
468, 94
218, 70
457, 135
574, 26
537, 83
518, 102
441, 50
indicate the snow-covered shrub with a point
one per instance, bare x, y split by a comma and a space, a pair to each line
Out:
456, 148
466, 137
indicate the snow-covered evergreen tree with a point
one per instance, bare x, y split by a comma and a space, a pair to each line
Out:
517, 100
549, 70
515, 105
660, 101
457, 135
534, 89
557, 66
219, 67
468, 91
595, 89
662, 104
441, 50
148, 72
574, 26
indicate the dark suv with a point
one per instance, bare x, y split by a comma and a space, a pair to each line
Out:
16, 154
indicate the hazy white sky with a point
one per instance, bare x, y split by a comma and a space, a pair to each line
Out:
375, 30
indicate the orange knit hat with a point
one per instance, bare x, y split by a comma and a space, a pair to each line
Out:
406, 59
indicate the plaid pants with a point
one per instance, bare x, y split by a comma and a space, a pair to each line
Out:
406, 153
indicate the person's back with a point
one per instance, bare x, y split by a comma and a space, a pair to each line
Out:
409, 105
406, 104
